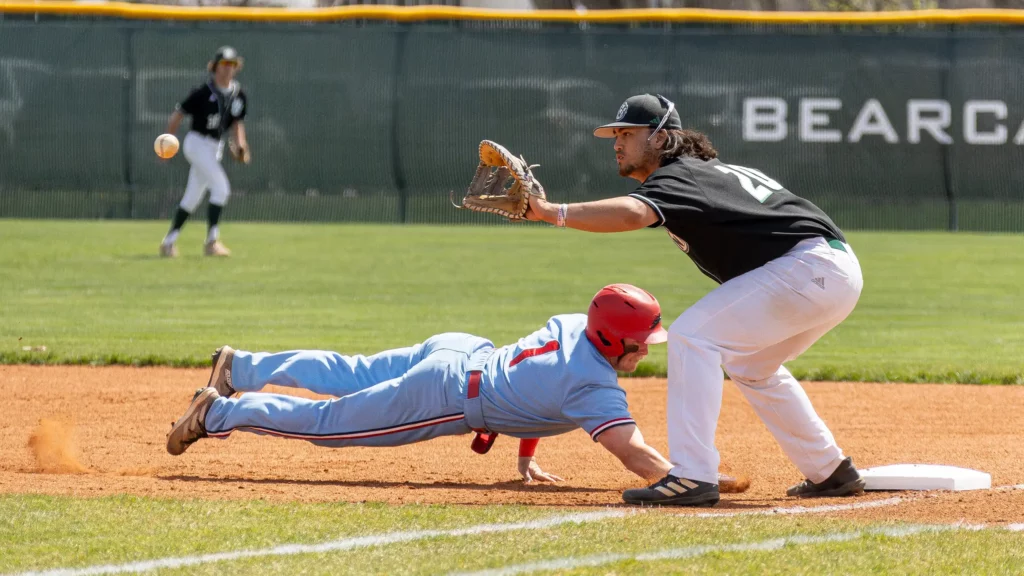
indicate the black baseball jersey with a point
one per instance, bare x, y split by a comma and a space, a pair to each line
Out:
730, 219
213, 112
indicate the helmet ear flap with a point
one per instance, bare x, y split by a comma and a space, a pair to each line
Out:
610, 348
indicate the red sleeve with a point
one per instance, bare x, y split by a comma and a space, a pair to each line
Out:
528, 447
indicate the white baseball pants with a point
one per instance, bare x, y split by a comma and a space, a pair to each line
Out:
750, 326
204, 154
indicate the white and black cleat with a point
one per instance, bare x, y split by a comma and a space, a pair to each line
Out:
674, 491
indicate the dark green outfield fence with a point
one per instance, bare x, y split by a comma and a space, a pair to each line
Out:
910, 127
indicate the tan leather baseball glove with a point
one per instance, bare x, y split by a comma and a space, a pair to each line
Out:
239, 153
502, 183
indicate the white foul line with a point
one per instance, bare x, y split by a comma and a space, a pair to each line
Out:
694, 551
396, 537
802, 510
335, 545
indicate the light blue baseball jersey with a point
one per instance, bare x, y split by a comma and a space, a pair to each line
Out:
551, 382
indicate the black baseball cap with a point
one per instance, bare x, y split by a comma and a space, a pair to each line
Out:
643, 110
226, 54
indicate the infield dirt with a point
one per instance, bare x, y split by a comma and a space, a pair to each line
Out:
91, 431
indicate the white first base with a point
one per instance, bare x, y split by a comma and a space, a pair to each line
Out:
924, 477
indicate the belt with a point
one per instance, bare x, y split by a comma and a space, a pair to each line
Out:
473, 407
484, 438
836, 243
206, 136
473, 384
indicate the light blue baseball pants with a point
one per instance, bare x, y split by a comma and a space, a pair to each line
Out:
389, 399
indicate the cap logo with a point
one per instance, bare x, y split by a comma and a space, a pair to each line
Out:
622, 112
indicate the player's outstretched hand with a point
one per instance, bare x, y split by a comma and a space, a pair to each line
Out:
531, 471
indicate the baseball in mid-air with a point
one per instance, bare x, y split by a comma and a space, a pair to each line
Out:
166, 146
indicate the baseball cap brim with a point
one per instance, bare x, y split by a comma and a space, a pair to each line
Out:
659, 336
608, 130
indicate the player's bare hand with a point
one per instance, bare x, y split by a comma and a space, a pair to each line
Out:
531, 471
537, 209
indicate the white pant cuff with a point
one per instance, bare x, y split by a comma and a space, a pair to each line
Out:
827, 470
693, 474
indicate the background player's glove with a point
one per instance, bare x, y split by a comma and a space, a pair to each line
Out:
240, 153
502, 184
531, 471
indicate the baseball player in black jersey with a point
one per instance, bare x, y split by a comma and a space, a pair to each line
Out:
218, 108
786, 275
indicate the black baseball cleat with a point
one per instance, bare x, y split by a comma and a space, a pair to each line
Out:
674, 491
845, 481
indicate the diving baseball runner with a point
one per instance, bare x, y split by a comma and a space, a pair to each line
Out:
787, 276
218, 109
557, 379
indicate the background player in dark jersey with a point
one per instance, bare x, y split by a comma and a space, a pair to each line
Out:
787, 277
218, 109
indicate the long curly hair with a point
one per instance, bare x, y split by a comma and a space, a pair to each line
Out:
687, 143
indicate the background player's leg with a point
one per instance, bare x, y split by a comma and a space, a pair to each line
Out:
199, 152
730, 326
213, 213
420, 405
220, 190
194, 190
321, 371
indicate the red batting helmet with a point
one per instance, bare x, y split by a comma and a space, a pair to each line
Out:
623, 311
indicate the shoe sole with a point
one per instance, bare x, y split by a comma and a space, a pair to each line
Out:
197, 401
852, 488
218, 366
217, 253
699, 501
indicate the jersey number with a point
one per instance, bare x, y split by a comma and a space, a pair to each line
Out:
531, 352
213, 122
747, 176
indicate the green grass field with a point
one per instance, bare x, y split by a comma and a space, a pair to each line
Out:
41, 533
936, 306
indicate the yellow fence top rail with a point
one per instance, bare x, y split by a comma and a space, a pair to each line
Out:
426, 13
